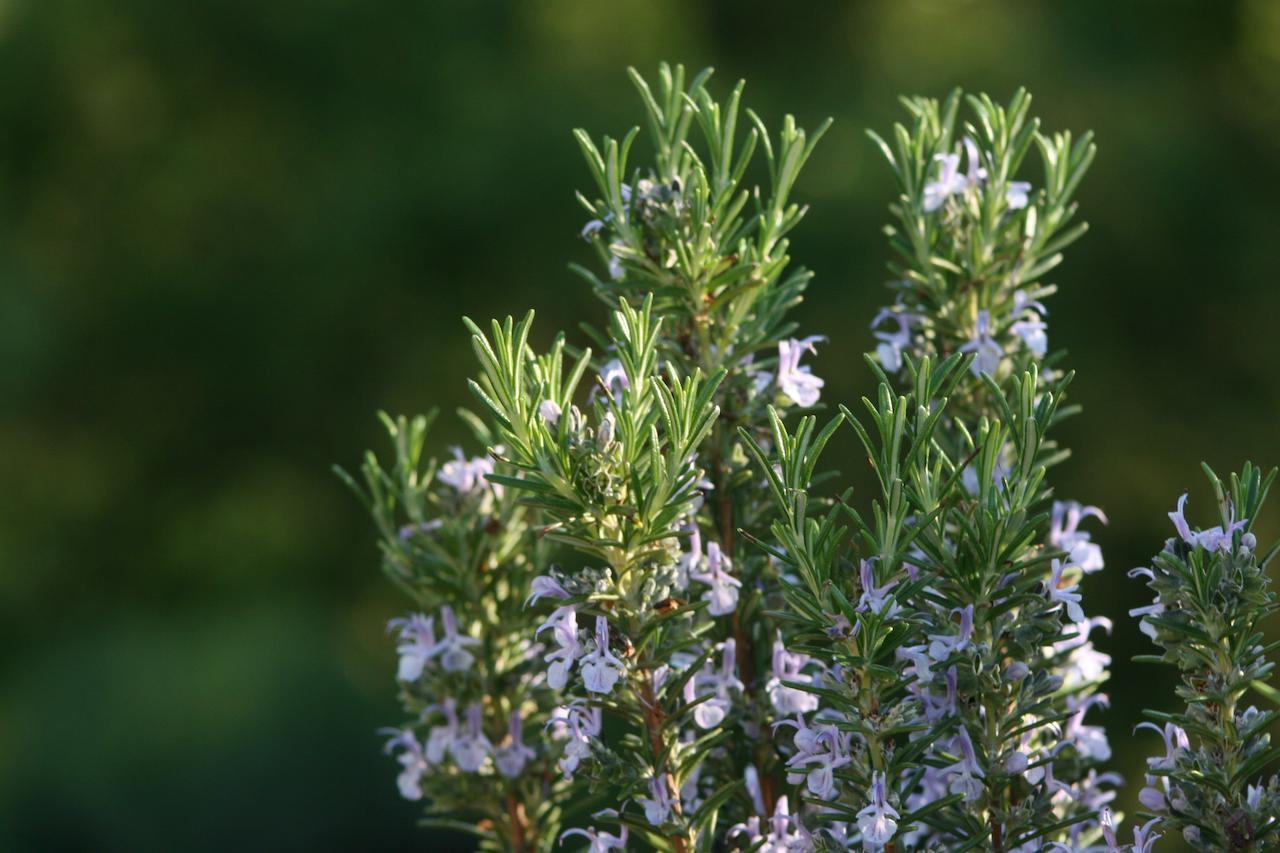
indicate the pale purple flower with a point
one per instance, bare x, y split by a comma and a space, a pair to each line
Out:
1065, 535
1154, 609
690, 560
512, 756
416, 646
723, 594
582, 724
920, 666
989, 353
825, 747
600, 668
718, 686
545, 586
949, 182
1145, 836
471, 747
1108, 824
1175, 743
549, 411
889, 350
796, 382
657, 806
977, 174
1213, 539
965, 776
878, 821
454, 656
409, 531
1065, 595
465, 475
440, 738
564, 630
1016, 194
789, 666
1083, 663
943, 646
592, 227
599, 841
614, 378
876, 599
1090, 741
412, 759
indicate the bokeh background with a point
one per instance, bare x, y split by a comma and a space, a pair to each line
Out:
230, 231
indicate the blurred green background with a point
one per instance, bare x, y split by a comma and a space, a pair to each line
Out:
233, 230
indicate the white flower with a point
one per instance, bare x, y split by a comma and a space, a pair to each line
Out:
949, 182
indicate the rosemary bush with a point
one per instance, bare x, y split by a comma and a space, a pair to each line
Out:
644, 615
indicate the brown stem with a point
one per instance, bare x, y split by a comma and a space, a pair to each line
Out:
997, 836
519, 822
741, 638
653, 719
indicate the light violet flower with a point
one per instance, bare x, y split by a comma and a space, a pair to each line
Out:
593, 226
876, 599
454, 656
723, 594
614, 377
796, 382
1145, 836
920, 666
1213, 539
411, 759
549, 411
1083, 663
657, 806
1015, 195
989, 353
1065, 535
409, 531
545, 586
949, 182
878, 821
599, 841
1065, 595
440, 738
717, 685
564, 630
977, 174
465, 475
965, 776
582, 724
417, 645
889, 350
1089, 741
1175, 743
943, 646
512, 756
789, 666
826, 748
472, 747
601, 668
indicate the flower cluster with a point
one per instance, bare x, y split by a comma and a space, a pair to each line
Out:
463, 549
1209, 781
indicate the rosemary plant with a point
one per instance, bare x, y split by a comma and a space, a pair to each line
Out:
1211, 595
960, 670
640, 609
